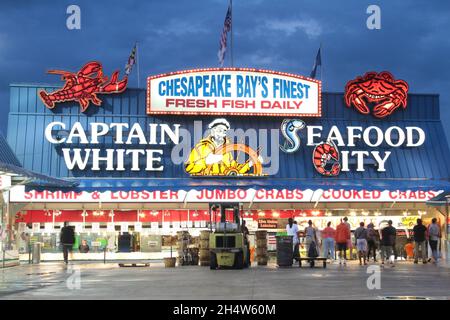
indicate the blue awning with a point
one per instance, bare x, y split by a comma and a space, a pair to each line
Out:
440, 200
164, 184
33, 179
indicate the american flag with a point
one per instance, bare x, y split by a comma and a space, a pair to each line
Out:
223, 37
131, 61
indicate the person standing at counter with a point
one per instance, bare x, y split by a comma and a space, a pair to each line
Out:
292, 230
388, 235
67, 239
419, 232
434, 233
342, 237
328, 235
361, 243
371, 242
349, 242
310, 235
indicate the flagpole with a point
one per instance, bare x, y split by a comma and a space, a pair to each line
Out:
137, 63
232, 58
321, 64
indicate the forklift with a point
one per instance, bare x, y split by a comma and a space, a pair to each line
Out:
228, 246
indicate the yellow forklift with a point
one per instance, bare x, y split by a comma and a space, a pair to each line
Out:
228, 245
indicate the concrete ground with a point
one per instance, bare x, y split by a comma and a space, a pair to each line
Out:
109, 281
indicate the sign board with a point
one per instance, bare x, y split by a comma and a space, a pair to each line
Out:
268, 223
110, 227
36, 227
154, 225
176, 225
234, 91
138, 226
18, 195
124, 227
5, 182
78, 227
95, 227
48, 227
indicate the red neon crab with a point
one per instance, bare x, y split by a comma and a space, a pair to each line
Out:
83, 86
380, 88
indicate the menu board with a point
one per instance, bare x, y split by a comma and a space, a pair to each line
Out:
267, 223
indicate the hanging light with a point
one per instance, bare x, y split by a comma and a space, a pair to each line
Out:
275, 214
353, 213
405, 213
261, 214
315, 213
365, 213
154, 213
98, 213
377, 213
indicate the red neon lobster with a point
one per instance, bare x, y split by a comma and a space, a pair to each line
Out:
83, 86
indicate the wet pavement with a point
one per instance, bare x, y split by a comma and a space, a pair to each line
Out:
109, 281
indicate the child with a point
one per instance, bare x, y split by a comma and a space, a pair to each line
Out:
409, 248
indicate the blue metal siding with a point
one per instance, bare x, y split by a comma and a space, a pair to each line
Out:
28, 118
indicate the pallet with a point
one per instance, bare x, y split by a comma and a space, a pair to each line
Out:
312, 261
134, 264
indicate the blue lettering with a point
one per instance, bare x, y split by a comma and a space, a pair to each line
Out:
239, 83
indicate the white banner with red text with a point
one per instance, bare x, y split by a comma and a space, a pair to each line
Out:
19, 195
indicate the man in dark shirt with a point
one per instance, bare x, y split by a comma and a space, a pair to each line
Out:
67, 239
419, 231
388, 235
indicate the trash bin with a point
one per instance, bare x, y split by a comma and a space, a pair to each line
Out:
285, 252
36, 256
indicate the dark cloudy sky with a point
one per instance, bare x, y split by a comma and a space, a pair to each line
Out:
283, 35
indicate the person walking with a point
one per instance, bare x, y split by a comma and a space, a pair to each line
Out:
361, 243
434, 234
328, 235
342, 236
292, 230
371, 242
419, 232
349, 241
310, 235
67, 239
388, 235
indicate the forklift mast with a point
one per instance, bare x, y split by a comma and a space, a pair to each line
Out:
223, 207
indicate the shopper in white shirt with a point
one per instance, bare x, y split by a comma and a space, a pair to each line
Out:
292, 230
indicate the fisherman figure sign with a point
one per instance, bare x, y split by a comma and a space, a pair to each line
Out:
214, 155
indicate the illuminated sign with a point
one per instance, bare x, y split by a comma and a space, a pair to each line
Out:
228, 195
328, 158
289, 128
215, 155
381, 89
233, 91
83, 86
94, 157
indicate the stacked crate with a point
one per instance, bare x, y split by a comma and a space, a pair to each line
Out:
262, 256
204, 248
183, 241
